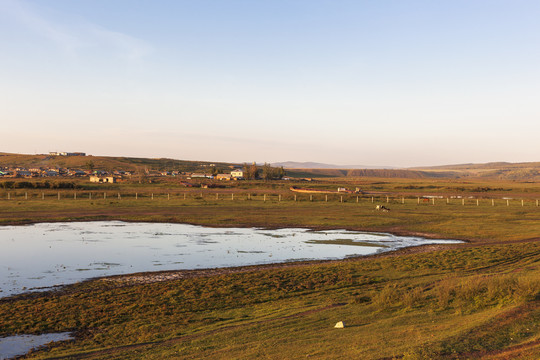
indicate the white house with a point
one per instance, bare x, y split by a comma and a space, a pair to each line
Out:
237, 174
223, 176
102, 179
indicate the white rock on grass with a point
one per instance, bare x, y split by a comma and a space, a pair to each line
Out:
340, 325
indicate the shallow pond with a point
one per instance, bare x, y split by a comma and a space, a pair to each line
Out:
12, 346
41, 256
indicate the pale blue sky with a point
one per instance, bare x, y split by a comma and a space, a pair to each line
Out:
397, 83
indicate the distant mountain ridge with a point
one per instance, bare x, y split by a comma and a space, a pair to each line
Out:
316, 165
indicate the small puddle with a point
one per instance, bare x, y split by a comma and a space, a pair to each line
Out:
18, 345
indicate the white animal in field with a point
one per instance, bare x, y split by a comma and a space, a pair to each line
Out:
381, 208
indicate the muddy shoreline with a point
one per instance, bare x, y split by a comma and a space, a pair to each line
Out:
113, 282
138, 278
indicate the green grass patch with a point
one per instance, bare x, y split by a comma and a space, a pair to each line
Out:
348, 242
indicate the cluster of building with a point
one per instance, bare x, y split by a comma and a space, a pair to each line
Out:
106, 176
63, 153
20, 172
40, 172
236, 174
100, 176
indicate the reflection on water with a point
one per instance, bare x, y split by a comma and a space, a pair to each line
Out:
50, 254
12, 346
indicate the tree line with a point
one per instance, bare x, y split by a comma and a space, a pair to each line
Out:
38, 185
266, 172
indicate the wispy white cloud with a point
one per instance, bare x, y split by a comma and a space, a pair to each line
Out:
74, 38
126, 46
26, 15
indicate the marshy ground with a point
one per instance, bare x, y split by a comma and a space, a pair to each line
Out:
479, 299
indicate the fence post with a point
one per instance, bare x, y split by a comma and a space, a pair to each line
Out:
59, 195
447, 201
310, 197
356, 199
294, 197
75, 195
184, 196
403, 200
507, 202
418, 200
217, 196
25, 196
536, 202
89, 196
463, 201
326, 198
433, 200
42, 196
477, 202
118, 196
104, 195
8, 196
521, 202
168, 196
341, 198
152, 196
372, 200
232, 196
264, 197
387, 199
136, 196
492, 202
279, 197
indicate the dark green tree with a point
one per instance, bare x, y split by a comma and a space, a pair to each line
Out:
267, 172
90, 165
251, 172
280, 172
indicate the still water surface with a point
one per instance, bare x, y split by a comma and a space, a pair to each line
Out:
41, 256
18, 345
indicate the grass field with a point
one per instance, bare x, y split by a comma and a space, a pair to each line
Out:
482, 223
479, 299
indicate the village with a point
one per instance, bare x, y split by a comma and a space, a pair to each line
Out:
110, 175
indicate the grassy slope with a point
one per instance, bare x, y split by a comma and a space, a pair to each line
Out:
489, 166
382, 173
457, 303
103, 162
477, 300
498, 170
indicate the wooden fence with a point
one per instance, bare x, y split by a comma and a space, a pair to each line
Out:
251, 196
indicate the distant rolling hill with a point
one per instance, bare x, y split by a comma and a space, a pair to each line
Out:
106, 163
527, 171
490, 165
380, 173
315, 165
314, 169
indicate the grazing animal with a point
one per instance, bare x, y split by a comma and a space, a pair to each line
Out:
381, 208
